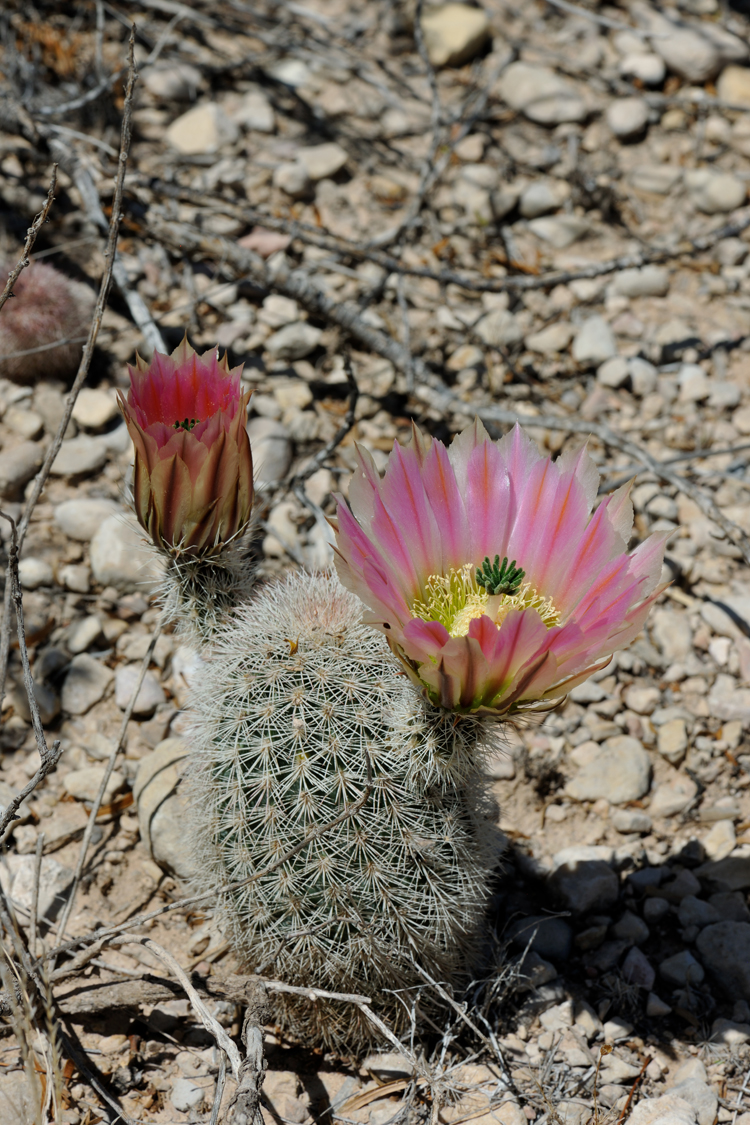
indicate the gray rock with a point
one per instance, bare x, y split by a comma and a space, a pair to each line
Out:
693, 383
671, 632
672, 741
682, 969
620, 772
75, 577
642, 376
541, 94
727, 1033
83, 633
322, 161
631, 928
655, 908
541, 197
272, 450
695, 912
162, 806
724, 395
630, 820
26, 423
655, 1006
585, 885
551, 938
150, 696
81, 519
614, 372
646, 281
729, 874
293, 179
730, 906
185, 1095
47, 702
19, 465
33, 573
84, 784
657, 179
728, 701
203, 130
637, 969
560, 231
255, 112
85, 684
645, 66
454, 33
294, 341
672, 797
499, 329
54, 881
700, 1096
594, 343
688, 54
120, 556
715, 192
669, 1109
627, 117
94, 409
684, 883
725, 951
172, 82
80, 456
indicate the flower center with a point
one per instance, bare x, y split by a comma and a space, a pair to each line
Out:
186, 424
456, 598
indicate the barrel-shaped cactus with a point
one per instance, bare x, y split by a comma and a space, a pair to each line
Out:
302, 717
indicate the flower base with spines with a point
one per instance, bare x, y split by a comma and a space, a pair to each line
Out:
199, 594
301, 707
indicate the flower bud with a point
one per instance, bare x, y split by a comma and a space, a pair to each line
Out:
193, 482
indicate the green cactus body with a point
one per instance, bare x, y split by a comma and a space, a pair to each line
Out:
301, 708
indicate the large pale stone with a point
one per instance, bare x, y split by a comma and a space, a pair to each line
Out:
620, 772
202, 130
541, 94
454, 33
734, 85
81, 519
120, 556
162, 806
85, 684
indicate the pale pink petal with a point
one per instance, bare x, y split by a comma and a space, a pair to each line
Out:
583, 466
620, 512
447, 506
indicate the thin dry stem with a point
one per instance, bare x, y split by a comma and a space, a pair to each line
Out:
31, 234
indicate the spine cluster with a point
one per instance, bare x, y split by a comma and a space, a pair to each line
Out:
303, 719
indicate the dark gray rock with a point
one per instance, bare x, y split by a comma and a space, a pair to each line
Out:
585, 885
551, 938
725, 951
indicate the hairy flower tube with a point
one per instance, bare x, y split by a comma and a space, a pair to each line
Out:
193, 483
482, 563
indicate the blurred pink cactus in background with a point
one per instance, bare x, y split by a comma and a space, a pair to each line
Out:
193, 484
422, 547
46, 306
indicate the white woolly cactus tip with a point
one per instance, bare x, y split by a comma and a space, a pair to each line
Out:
302, 715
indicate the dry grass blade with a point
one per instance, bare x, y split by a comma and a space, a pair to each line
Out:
211, 1025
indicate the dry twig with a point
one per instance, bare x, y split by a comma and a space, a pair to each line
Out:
31, 234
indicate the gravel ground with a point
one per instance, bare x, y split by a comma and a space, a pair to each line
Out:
535, 211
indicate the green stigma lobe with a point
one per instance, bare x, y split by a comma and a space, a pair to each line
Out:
500, 578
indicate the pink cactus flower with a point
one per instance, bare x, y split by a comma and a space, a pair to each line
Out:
427, 548
193, 484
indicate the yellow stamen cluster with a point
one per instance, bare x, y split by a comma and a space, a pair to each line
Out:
454, 599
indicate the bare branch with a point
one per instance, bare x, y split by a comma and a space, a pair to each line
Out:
88, 352
31, 234
91, 823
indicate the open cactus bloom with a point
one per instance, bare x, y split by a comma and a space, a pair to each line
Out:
193, 483
494, 584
